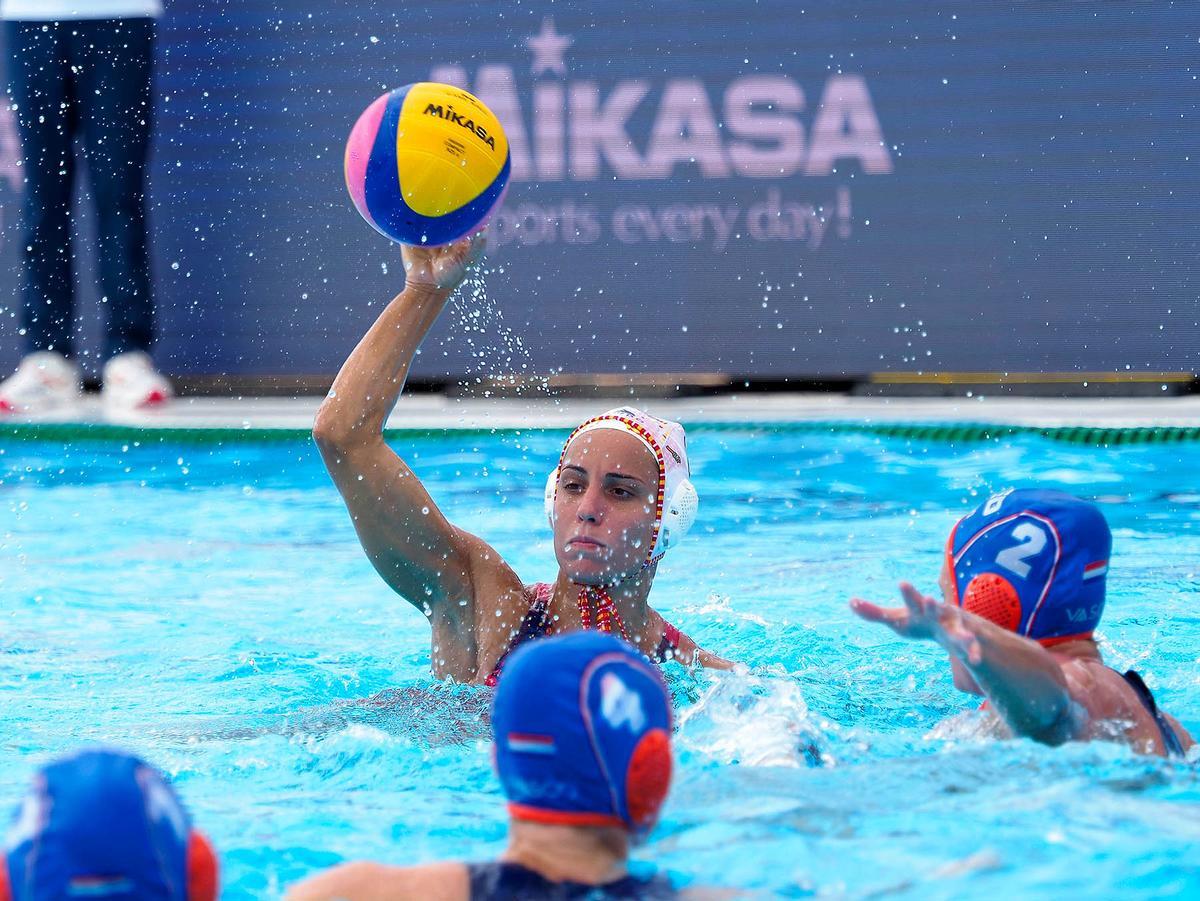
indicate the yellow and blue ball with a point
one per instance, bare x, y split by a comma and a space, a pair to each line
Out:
427, 163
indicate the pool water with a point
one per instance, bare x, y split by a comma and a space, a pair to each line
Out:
210, 608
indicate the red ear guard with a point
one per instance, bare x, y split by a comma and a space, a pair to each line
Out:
202, 870
988, 595
648, 779
995, 599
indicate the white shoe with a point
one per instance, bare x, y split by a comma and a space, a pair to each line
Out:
44, 381
131, 382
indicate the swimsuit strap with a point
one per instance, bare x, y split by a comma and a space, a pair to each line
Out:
1171, 742
537, 622
668, 644
500, 879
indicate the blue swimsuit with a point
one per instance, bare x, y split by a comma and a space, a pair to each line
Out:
1171, 742
502, 881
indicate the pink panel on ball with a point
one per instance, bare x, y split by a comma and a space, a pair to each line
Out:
358, 152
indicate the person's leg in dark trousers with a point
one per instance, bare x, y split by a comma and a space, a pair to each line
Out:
114, 59
42, 90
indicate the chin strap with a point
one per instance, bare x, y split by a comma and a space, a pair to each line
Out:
607, 615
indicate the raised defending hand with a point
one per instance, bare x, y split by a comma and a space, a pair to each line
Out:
923, 618
443, 267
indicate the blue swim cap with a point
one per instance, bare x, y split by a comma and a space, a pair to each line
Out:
1033, 562
582, 725
104, 824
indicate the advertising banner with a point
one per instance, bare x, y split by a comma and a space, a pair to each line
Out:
772, 189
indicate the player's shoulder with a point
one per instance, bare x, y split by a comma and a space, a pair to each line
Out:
365, 880
1100, 689
1085, 672
484, 561
446, 881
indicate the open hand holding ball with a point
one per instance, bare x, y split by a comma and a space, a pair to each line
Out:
427, 164
442, 267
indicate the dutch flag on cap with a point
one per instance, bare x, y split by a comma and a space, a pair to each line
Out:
526, 743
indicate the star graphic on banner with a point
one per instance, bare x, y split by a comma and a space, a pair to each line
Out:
548, 48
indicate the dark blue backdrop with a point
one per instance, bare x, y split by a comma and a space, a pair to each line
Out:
740, 187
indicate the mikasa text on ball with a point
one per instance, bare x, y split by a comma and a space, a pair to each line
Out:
427, 163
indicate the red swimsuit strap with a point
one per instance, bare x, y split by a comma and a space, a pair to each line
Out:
668, 644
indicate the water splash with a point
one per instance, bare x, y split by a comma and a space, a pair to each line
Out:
498, 357
753, 720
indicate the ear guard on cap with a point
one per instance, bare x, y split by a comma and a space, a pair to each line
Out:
679, 514
202, 869
994, 598
548, 496
647, 780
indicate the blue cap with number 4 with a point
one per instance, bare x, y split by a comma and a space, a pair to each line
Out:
1034, 562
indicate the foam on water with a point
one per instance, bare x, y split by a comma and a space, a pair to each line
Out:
752, 720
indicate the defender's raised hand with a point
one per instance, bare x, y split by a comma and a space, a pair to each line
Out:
922, 618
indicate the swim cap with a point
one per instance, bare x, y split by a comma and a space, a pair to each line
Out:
676, 498
1033, 562
582, 726
104, 824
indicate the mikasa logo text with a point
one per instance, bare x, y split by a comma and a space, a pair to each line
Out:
448, 113
756, 126
565, 130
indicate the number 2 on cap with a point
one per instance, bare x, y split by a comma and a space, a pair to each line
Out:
1032, 539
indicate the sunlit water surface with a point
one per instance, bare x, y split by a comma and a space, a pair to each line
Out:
211, 609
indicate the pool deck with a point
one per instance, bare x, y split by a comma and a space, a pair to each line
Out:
434, 411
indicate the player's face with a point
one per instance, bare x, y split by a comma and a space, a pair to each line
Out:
604, 507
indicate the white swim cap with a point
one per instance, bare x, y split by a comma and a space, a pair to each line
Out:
676, 498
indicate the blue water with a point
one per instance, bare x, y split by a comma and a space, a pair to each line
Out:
210, 608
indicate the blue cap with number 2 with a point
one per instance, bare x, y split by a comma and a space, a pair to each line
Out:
1034, 562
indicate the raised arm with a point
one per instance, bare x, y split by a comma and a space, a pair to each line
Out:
408, 540
1022, 681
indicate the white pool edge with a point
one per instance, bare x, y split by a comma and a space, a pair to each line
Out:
429, 411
